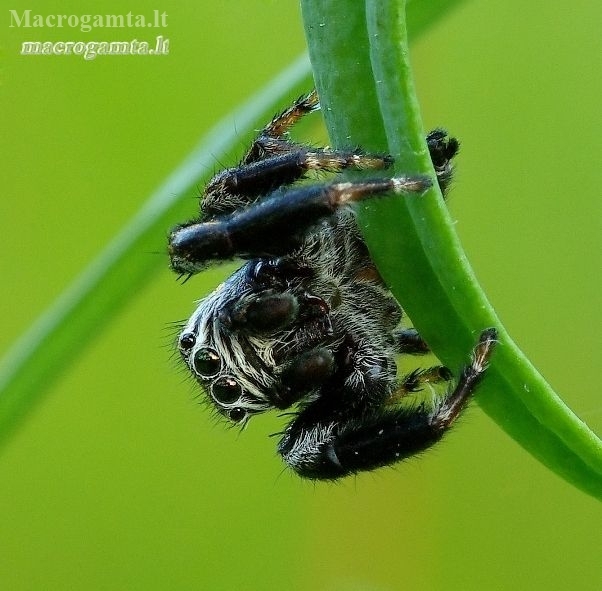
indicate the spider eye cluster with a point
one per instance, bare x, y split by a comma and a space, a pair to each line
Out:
206, 363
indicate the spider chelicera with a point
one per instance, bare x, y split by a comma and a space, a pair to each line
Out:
307, 322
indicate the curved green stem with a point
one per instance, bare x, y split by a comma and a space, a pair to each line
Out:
360, 59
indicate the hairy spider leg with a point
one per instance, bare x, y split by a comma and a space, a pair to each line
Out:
239, 187
274, 161
442, 149
417, 379
275, 225
268, 139
318, 445
284, 162
408, 341
263, 176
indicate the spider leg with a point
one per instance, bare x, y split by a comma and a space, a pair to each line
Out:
273, 161
410, 342
275, 225
268, 139
238, 187
416, 380
283, 162
442, 149
283, 122
330, 442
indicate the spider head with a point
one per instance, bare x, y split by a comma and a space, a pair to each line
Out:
223, 361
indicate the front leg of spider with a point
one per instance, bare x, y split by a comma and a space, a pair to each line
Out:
277, 224
327, 441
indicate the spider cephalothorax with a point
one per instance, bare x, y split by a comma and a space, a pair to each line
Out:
307, 320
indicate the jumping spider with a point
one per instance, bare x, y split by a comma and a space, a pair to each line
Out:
307, 320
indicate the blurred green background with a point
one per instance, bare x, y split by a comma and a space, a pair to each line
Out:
120, 480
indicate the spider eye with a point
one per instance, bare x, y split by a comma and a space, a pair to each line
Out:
187, 341
226, 390
206, 362
237, 414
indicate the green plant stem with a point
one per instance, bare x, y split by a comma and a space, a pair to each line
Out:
360, 58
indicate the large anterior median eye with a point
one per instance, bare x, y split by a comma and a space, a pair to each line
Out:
206, 362
226, 390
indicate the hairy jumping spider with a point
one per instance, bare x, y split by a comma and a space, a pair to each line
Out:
307, 320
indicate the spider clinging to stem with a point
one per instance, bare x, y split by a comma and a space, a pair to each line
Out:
307, 321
